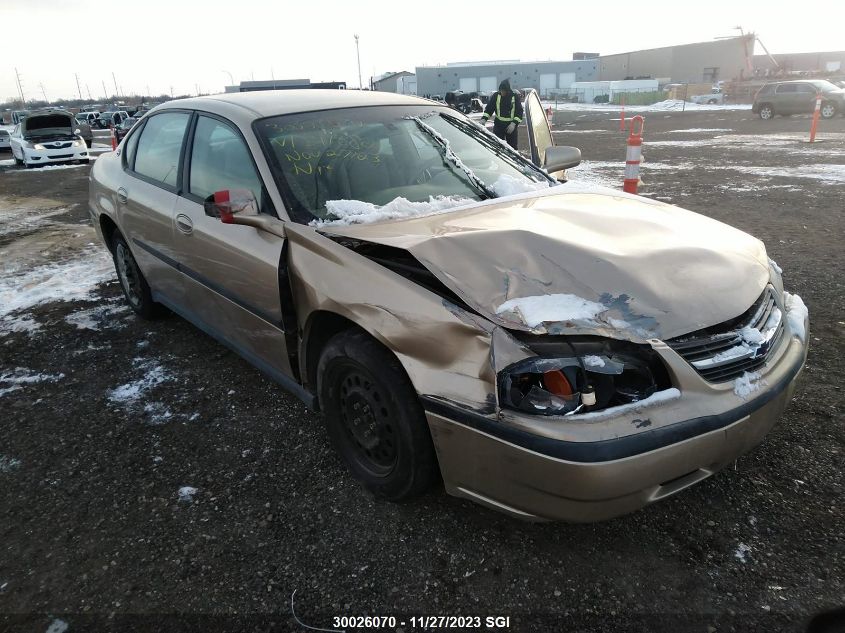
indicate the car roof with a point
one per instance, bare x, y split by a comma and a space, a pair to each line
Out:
249, 106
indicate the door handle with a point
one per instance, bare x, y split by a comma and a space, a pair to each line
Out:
184, 223
122, 195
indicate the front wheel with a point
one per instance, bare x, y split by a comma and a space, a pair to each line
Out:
828, 111
132, 282
374, 417
767, 112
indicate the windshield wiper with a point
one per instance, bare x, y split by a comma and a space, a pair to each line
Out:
451, 157
496, 145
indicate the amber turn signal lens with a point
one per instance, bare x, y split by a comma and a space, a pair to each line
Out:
556, 383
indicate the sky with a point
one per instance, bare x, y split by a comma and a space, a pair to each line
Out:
186, 46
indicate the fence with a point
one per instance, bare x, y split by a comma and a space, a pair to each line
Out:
646, 96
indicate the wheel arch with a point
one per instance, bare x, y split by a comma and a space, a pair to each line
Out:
108, 227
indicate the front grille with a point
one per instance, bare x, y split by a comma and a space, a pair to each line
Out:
60, 156
56, 145
726, 351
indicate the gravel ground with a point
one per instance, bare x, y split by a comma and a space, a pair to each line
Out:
152, 480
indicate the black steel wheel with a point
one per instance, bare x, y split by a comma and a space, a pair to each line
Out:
132, 282
374, 417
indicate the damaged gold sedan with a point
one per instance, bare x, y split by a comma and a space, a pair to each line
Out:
550, 350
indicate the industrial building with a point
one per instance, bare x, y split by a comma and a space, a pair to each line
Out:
703, 62
547, 77
403, 83
827, 62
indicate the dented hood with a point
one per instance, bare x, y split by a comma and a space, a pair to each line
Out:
585, 263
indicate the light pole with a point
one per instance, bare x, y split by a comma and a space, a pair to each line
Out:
231, 79
358, 53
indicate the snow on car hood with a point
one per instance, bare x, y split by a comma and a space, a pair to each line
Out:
599, 262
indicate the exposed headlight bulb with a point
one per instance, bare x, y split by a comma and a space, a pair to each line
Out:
588, 396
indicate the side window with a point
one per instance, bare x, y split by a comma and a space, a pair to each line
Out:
220, 160
806, 89
159, 145
131, 148
787, 89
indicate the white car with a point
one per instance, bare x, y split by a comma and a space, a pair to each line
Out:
5, 140
47, 137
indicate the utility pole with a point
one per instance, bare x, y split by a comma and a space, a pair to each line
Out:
89, 92
43, 92
358, 53
20, 87
116, 91
77, 86
105, 92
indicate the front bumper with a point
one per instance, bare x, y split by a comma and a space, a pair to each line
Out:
49, 156
577, 475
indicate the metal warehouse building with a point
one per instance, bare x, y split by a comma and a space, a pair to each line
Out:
703, 62
547, 77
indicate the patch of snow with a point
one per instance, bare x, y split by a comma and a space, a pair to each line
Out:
96, 318
796, 315
19, 220
186, 493
346, 212
8, 464
593, 361
22, 376
153, 374
551, 309
699, 130
568, 131
23, 323
70, 280
507, 185
673, 105
157, 413
742, 552
658, 397
57, 626
747, 384
824, 172
775, 266
751, 335
40, 168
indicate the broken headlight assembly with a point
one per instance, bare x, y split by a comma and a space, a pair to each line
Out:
580, 374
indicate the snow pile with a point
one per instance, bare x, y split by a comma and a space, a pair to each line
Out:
8, 464
752, 335
72, 280
796, 315
742, 552
22, 376
507, 185
593, 361
551, 309
129, 394
747, 384
346, 212
186, 493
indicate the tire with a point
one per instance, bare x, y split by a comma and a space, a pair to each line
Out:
828, 110
135, 287
767, 112
711, 101
374, 418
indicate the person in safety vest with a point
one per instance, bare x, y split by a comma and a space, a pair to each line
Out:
506, 110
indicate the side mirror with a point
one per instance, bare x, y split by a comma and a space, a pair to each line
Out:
225, 204
561, 157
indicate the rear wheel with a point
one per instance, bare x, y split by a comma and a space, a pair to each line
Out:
374, 417
828, 110
132, 282
767, 112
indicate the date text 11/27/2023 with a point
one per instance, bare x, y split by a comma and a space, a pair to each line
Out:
423, 622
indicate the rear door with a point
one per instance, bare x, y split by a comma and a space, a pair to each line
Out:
805, 99
787, 99
230, 272
147, 195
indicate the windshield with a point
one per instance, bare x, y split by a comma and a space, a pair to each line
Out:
825, 86
390, 161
